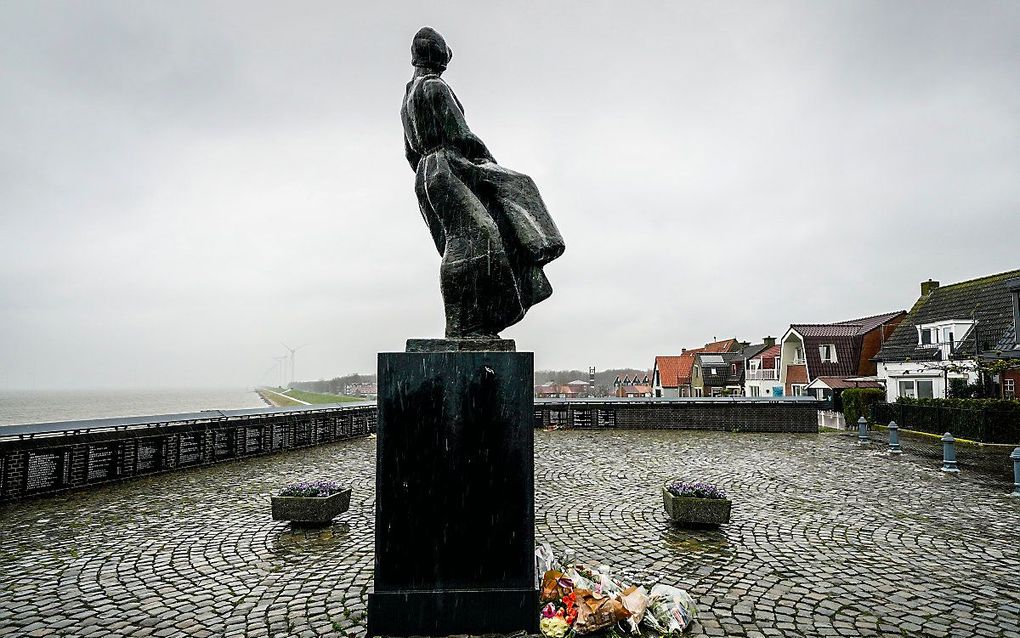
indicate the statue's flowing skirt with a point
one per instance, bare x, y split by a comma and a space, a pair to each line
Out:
497, 235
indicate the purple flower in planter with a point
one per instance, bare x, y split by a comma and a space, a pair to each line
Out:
696, 489
312, 489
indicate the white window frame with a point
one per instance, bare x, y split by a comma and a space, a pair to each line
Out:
797, 389
755, 391
831, 347
1009, 388
914, 390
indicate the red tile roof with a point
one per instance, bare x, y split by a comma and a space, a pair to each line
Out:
726, 345
669, 368
675, 370
772, 353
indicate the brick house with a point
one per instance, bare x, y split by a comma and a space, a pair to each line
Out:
948, 332
722, 374
839, 349
672, 375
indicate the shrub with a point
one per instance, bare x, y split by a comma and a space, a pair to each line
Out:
312, 488
696, 489
857, 402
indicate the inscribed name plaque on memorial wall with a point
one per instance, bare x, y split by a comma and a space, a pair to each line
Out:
102, 463
253, 439
149, 455
279, 436
190, 448
223, 444
46, 470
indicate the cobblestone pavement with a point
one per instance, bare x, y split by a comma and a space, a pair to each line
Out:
827, 539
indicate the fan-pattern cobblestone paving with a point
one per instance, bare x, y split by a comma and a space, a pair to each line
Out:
827, 539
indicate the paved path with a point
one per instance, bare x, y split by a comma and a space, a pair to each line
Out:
827, 539
286, 396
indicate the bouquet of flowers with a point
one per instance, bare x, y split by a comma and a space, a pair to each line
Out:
579, 600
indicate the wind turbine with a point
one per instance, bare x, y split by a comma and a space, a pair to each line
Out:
280, 364
292, 351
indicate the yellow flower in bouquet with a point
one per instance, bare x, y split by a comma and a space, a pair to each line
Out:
555, 627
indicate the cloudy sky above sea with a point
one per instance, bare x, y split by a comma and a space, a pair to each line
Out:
184, 185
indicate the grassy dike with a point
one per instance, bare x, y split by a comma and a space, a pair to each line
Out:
298, 397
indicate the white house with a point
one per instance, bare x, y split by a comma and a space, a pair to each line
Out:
944, 335
761, 374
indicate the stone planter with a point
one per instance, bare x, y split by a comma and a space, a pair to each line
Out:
687, 511
311, 510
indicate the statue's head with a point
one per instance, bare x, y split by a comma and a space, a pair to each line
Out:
429, 50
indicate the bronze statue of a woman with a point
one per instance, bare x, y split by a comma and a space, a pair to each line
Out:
488, 222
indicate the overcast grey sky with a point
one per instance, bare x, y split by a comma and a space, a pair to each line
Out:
183, 185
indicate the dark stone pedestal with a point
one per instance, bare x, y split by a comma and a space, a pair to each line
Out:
455, 513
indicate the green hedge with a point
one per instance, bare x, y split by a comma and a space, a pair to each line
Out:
857, 402
985, 420
972, 404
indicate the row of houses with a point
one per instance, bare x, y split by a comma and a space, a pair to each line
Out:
957, 336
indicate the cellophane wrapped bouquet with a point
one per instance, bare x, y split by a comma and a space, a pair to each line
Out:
581, 600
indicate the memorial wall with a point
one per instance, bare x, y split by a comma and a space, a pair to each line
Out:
34, 464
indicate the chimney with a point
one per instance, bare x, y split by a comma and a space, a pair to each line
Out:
928, 287
769, 341
683, 350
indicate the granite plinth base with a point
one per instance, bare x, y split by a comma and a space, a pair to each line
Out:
461, 345
455, 513
451, 612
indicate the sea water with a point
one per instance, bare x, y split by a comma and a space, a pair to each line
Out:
39, 406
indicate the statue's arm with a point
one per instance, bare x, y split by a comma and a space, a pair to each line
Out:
411, 155
450, 120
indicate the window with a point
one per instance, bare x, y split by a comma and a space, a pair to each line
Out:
820, 394
828, 353
798, 357
925, 389
697, 392
947, 335
1009, 388
907, 389
714, 372
755, 391
925, 337
798, 389
917, 388
658, 393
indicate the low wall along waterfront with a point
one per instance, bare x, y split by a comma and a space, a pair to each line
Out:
46, 458
738, 414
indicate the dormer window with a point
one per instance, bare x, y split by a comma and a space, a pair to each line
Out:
942, 335
827, 352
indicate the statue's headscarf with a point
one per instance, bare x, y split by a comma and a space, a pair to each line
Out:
429, 50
